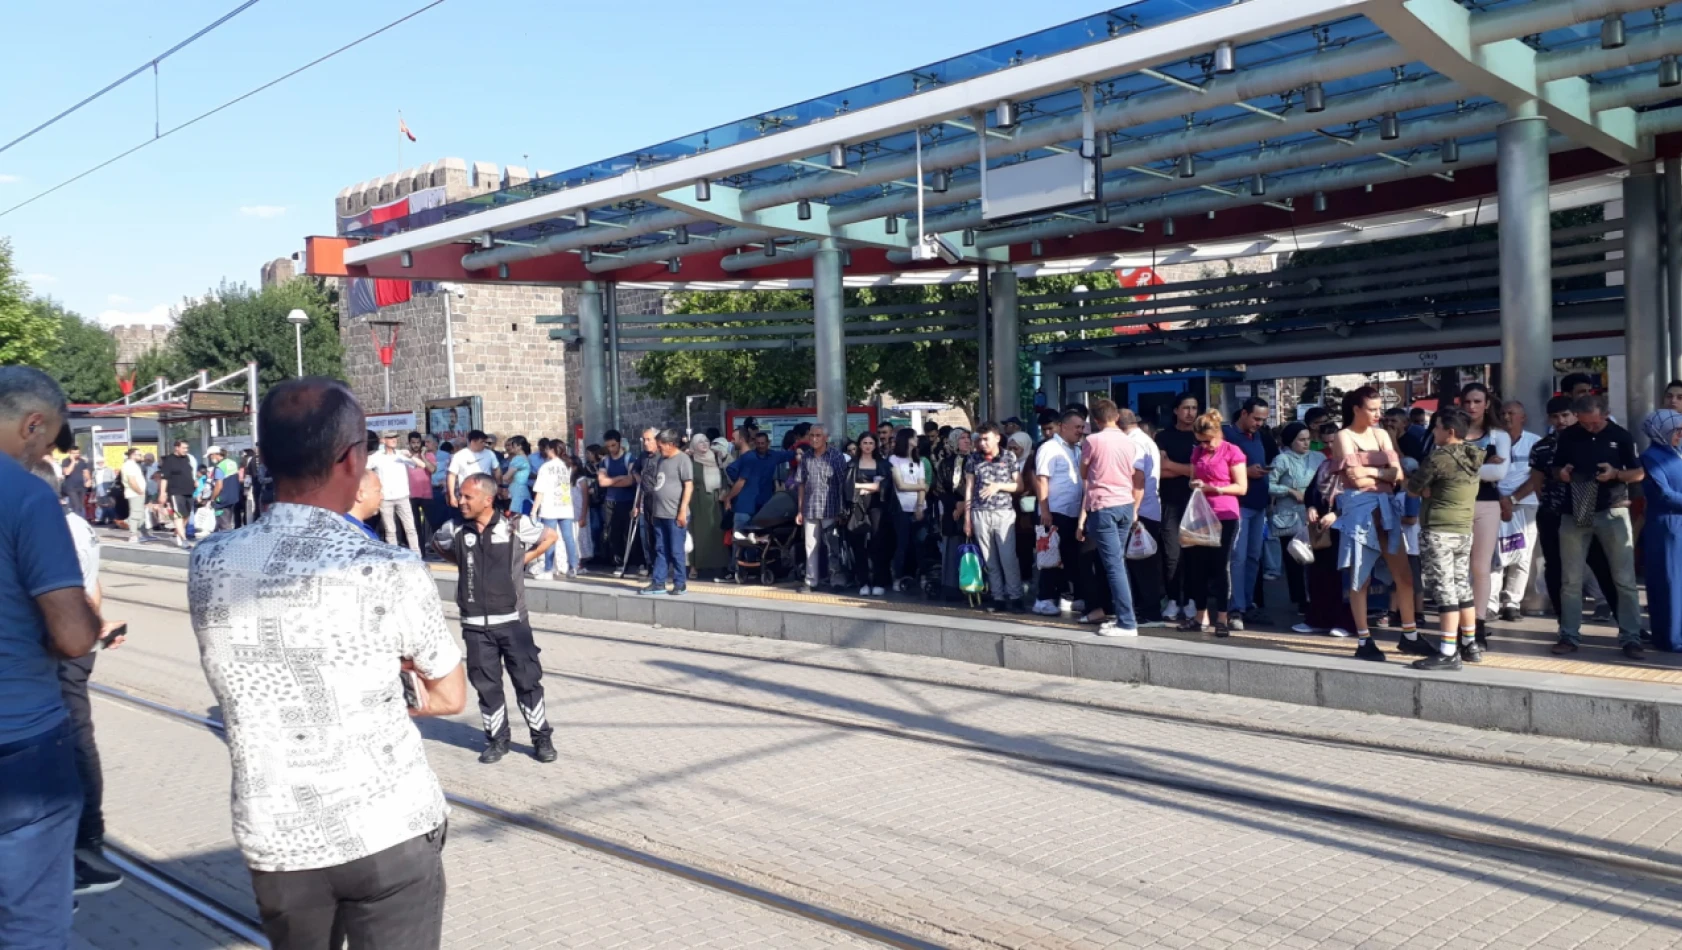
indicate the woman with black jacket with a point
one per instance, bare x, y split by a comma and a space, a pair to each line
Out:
863, 524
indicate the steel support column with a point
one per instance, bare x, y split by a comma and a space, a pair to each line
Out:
1526, 253
831, 354
1673, 264
983, 347
610, 312
1006, 338
1643, 291
592, 333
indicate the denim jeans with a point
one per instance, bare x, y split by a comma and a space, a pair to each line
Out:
563, 527
40, 804
1109, 527
1247, 555
1612, 529
668, 554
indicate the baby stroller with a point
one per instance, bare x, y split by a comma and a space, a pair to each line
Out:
770, 544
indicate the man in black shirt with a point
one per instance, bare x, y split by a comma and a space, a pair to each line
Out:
76, 478
1555, 502
179, 481
1595, 460
1174, 488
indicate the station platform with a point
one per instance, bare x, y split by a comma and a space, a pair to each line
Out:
1597, 695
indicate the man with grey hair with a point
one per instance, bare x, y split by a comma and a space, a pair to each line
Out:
666, 495
322, 644
44, 617
821, 479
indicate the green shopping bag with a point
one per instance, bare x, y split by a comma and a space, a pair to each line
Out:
971, 579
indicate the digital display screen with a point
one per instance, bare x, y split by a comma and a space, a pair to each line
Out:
206, 400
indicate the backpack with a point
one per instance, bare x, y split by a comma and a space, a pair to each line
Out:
972, 580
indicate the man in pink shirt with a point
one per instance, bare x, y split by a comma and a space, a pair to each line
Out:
1112, 487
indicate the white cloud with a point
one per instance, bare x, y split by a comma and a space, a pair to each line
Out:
10, 179
262, 211
118, 299
40, 278
158, 315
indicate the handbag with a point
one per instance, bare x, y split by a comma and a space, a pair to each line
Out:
1140, 545
1046, 554
1300, 550
1199, 528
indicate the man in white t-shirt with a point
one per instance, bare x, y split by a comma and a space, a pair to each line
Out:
1523, 508
1057, 486
475, 459
392, 465
552, 497
133, 476
1145, 574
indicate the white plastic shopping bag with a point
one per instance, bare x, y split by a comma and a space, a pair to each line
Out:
1199, 528
1046, 555
1140, 544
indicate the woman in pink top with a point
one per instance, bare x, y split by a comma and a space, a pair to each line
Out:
1220, 471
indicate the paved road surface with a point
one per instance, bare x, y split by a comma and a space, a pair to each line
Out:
962, 806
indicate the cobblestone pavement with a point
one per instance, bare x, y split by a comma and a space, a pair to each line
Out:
972, 848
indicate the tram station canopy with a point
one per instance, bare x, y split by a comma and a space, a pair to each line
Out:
1149, 127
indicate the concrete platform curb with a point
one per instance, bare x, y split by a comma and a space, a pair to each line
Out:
1571, 707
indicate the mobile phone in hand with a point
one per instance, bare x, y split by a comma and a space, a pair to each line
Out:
105, 642
411, 689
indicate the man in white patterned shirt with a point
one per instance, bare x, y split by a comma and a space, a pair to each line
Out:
308, 630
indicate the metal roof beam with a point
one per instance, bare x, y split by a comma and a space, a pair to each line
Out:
1440, 34
725, 207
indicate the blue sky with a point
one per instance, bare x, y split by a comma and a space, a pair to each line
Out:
564, 83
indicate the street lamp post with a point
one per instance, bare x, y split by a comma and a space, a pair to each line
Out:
688, 427
298, 318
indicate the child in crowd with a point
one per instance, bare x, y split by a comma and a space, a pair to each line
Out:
1448, 482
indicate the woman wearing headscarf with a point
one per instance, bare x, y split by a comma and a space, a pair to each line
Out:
1661, 538
705, 520
1293, 473
947, 492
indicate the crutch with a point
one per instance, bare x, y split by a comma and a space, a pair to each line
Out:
631, 533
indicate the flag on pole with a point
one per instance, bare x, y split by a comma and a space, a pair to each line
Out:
403, 127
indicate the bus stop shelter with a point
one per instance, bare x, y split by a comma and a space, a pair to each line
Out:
1157, 129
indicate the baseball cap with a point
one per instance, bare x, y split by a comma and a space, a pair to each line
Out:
215, 450
391, 434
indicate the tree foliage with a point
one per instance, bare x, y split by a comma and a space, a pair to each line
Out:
26, 336
918, 370
85, 357
234, 324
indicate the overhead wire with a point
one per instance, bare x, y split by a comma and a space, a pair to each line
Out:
231, 102
151, 64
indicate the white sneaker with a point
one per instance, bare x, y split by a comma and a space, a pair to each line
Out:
877, 592
1109, 628
864, 591
1190, 609
542, 576
1338, 632
1172, 612
1064, 605
1045, 608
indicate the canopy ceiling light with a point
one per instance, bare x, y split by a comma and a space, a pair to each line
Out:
771, 248
1450, 151
1188, 166
674, 265
1004, 115
1389, 127
502, 271
969, 237
703, 190
942, 181
1612, 32
1314, 97
838, 156
891, 224
1101, 214
1224, 60
1670, 72
1258, 185
682, 234
1167, 227
1036, 248
803, 210
581, 218
586, 255
1319, 202
406, 259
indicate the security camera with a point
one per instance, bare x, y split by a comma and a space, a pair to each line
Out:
936, 245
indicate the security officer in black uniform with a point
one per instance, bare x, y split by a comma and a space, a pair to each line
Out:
491, 549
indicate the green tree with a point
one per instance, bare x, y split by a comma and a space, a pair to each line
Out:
234, 324
26, 336
84, 361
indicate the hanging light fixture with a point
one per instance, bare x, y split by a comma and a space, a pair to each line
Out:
1670, 72
586, 255
1319, 202
1450, 151
1314, 97
703, 190
890, 224
1036, 248
1258, 186
846, 257
969, 237
1004, 115
1224, 62
502, 271
681, 235
803, 210
406, 259
1167, 227
1211, 216
1369, 187
581, 218
1612, 32
838, 156
674, 265
1101, 214
942, 180
771, 248
1389, 127
1188, 166
1104, 145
